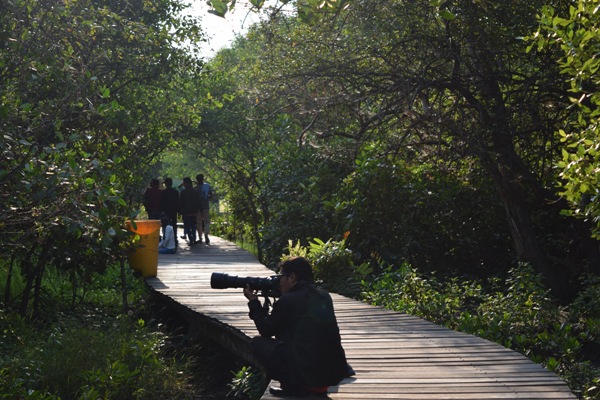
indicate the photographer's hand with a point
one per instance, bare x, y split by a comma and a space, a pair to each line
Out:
249, 293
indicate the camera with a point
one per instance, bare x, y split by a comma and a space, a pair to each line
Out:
269, 287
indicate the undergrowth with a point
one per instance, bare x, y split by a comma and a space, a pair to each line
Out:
517, 313
89, 350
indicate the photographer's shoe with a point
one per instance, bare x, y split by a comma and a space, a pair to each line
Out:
349, 371
318, 391
278, 392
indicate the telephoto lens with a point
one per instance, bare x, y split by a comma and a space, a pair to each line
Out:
268, 286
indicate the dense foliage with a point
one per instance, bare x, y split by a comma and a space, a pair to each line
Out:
436, 144
91, 92
577, 37
88, 99
455, 138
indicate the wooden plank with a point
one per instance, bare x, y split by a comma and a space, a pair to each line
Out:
395, 355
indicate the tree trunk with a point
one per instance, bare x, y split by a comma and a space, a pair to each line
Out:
34, 276
7, 287
41, 267
523, 232
514, 181
123, 285
27, 269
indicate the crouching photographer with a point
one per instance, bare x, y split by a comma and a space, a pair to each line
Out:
299, 343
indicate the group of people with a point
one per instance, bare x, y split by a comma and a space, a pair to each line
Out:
191, 201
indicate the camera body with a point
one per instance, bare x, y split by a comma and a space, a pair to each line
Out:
269, 287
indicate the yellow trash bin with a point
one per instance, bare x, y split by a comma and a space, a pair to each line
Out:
144, 257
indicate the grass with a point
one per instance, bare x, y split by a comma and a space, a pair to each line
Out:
95, 350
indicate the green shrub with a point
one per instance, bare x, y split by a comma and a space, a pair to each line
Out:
247, 383
404, 289
87, 352
334, 265
518, 313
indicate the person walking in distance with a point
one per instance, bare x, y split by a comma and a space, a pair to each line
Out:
189, 205
203, 221
169, 203
151, 199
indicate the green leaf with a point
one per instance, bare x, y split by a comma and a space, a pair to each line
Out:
447, 15
219, 7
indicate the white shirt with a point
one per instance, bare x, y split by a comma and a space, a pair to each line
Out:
168, 240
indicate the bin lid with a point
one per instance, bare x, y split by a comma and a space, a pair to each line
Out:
143, 227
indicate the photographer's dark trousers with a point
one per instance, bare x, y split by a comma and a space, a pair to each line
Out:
270, 353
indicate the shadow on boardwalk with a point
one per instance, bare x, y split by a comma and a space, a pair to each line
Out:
395, 356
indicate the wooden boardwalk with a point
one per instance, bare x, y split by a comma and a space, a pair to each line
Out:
395, 356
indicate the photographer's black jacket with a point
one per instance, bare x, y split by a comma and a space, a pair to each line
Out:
304, 320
